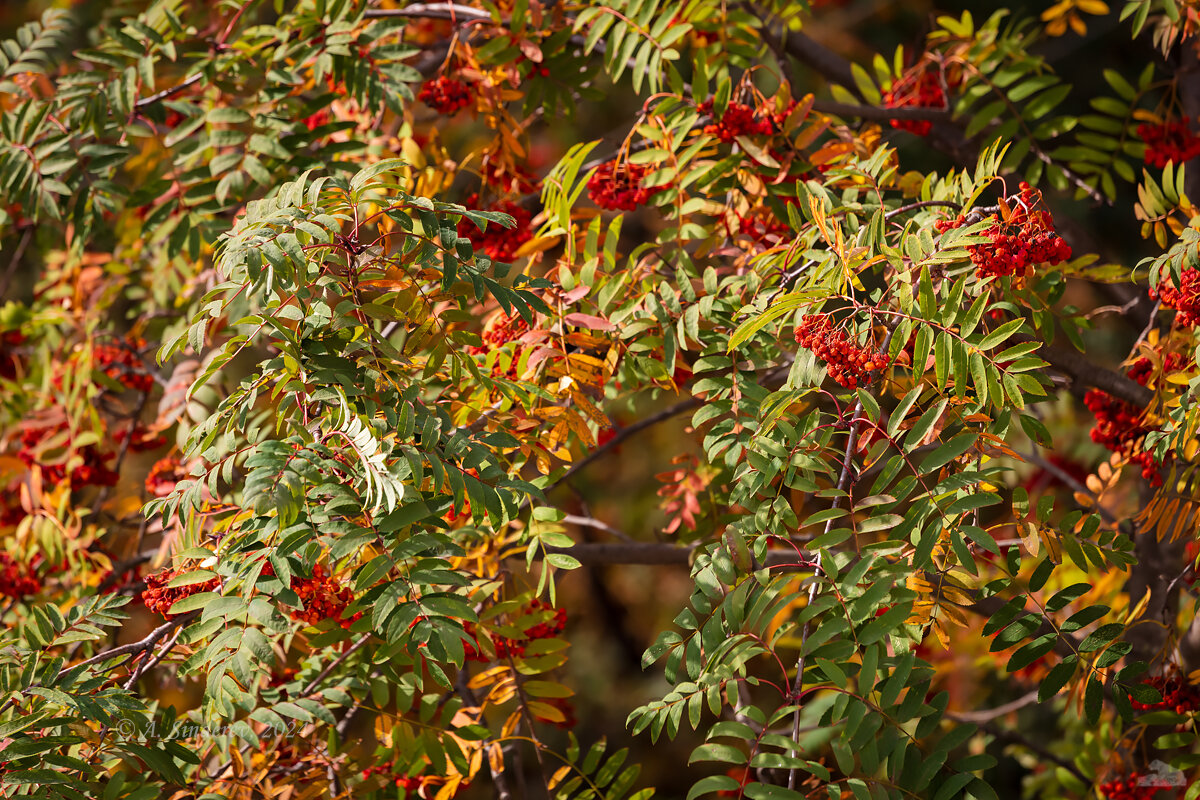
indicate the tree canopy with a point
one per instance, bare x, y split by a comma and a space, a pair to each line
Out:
594, 401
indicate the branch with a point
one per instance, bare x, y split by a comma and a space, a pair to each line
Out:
142, 645
833, 67
315, 682
451, 11
882, 113
623, 434
1086, 374
1013, 737
594, 553
170, 91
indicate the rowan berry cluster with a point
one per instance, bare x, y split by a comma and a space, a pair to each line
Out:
321, 597
499, 330
164, 475
11, 513
515, 647
316, 120
16, 580
1185, 298
537, 68
1133, 786
567, 708
93, 471
919, 87
1022, 236
504, 646
738, 119
508, 178
122, 363
760, 222
413, 785
1119, 425
548, 628
846, 360
1178, 695
498, 242
446, 95
159, 597
619, 186
1170, 141
10, 361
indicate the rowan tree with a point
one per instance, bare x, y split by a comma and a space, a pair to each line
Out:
380, 381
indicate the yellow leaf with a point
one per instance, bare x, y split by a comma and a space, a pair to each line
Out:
558, 776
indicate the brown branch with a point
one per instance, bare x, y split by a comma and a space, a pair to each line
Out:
170, 91
1086, 374
1015, 738
624, 433
882, 113
315, 682
833, 67
450, 11
145, 644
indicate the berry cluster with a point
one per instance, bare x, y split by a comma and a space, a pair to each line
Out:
1177, 695
446, 95
847, 361
499, 330
498, 242
508, 178
1134, 786
122, 363
1185, 298
567, 708
1171, 141
760, 222
413, 785
164, 475
316, 120
93, 471
1119, 425
537, 68
10, 361
620, 186
920, 87
321, 597
549, 628
1022, 236
16, 581
159, 598
738, 119
505, 647
457, 516
11, 513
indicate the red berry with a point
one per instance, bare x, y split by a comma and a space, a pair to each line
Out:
446, 95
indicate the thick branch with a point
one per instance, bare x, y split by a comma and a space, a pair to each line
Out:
880, 113
1086, 374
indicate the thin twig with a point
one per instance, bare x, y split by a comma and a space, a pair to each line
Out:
843, 485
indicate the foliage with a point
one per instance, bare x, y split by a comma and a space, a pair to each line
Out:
316, 313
